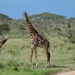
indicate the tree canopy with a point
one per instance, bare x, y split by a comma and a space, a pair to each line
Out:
47, 15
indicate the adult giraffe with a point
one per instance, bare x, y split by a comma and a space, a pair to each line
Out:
37, 41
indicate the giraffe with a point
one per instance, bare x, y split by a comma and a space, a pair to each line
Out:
3, 40
37, 41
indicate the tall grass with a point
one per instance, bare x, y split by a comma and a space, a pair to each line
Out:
15, 55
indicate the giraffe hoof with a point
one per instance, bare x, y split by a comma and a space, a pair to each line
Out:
47, 66
29, 64
36, 64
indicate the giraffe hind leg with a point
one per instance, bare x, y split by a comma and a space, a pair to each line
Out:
48, 56
48, 59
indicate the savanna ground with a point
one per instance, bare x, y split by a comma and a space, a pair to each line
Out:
15, 55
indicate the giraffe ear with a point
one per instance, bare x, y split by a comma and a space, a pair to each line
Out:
22, 13
25, 12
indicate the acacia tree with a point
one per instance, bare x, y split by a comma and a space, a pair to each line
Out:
45, 17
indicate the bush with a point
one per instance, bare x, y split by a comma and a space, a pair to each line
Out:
69, 48
15, 68
4, 28
12, 63
72, 40
28, 70
1, 65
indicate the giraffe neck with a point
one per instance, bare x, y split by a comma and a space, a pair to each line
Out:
30, 27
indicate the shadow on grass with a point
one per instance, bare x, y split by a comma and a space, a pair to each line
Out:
43, 66
57, 66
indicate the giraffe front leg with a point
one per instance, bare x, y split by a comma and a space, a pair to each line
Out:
35, 52
31, 55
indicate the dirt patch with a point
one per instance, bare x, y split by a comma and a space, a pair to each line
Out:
67, 73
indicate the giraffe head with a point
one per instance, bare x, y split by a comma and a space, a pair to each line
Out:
7, 37
3, 40
25, 14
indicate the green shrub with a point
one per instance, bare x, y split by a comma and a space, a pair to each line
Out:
12, 63
4, 28
74, 56
28, 70
11, 52
15, 68
69, 48
72, 40
1, 65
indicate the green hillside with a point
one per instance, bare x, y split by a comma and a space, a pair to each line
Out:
52, 24
4, 17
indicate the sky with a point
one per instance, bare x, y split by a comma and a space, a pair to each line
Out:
14, 8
